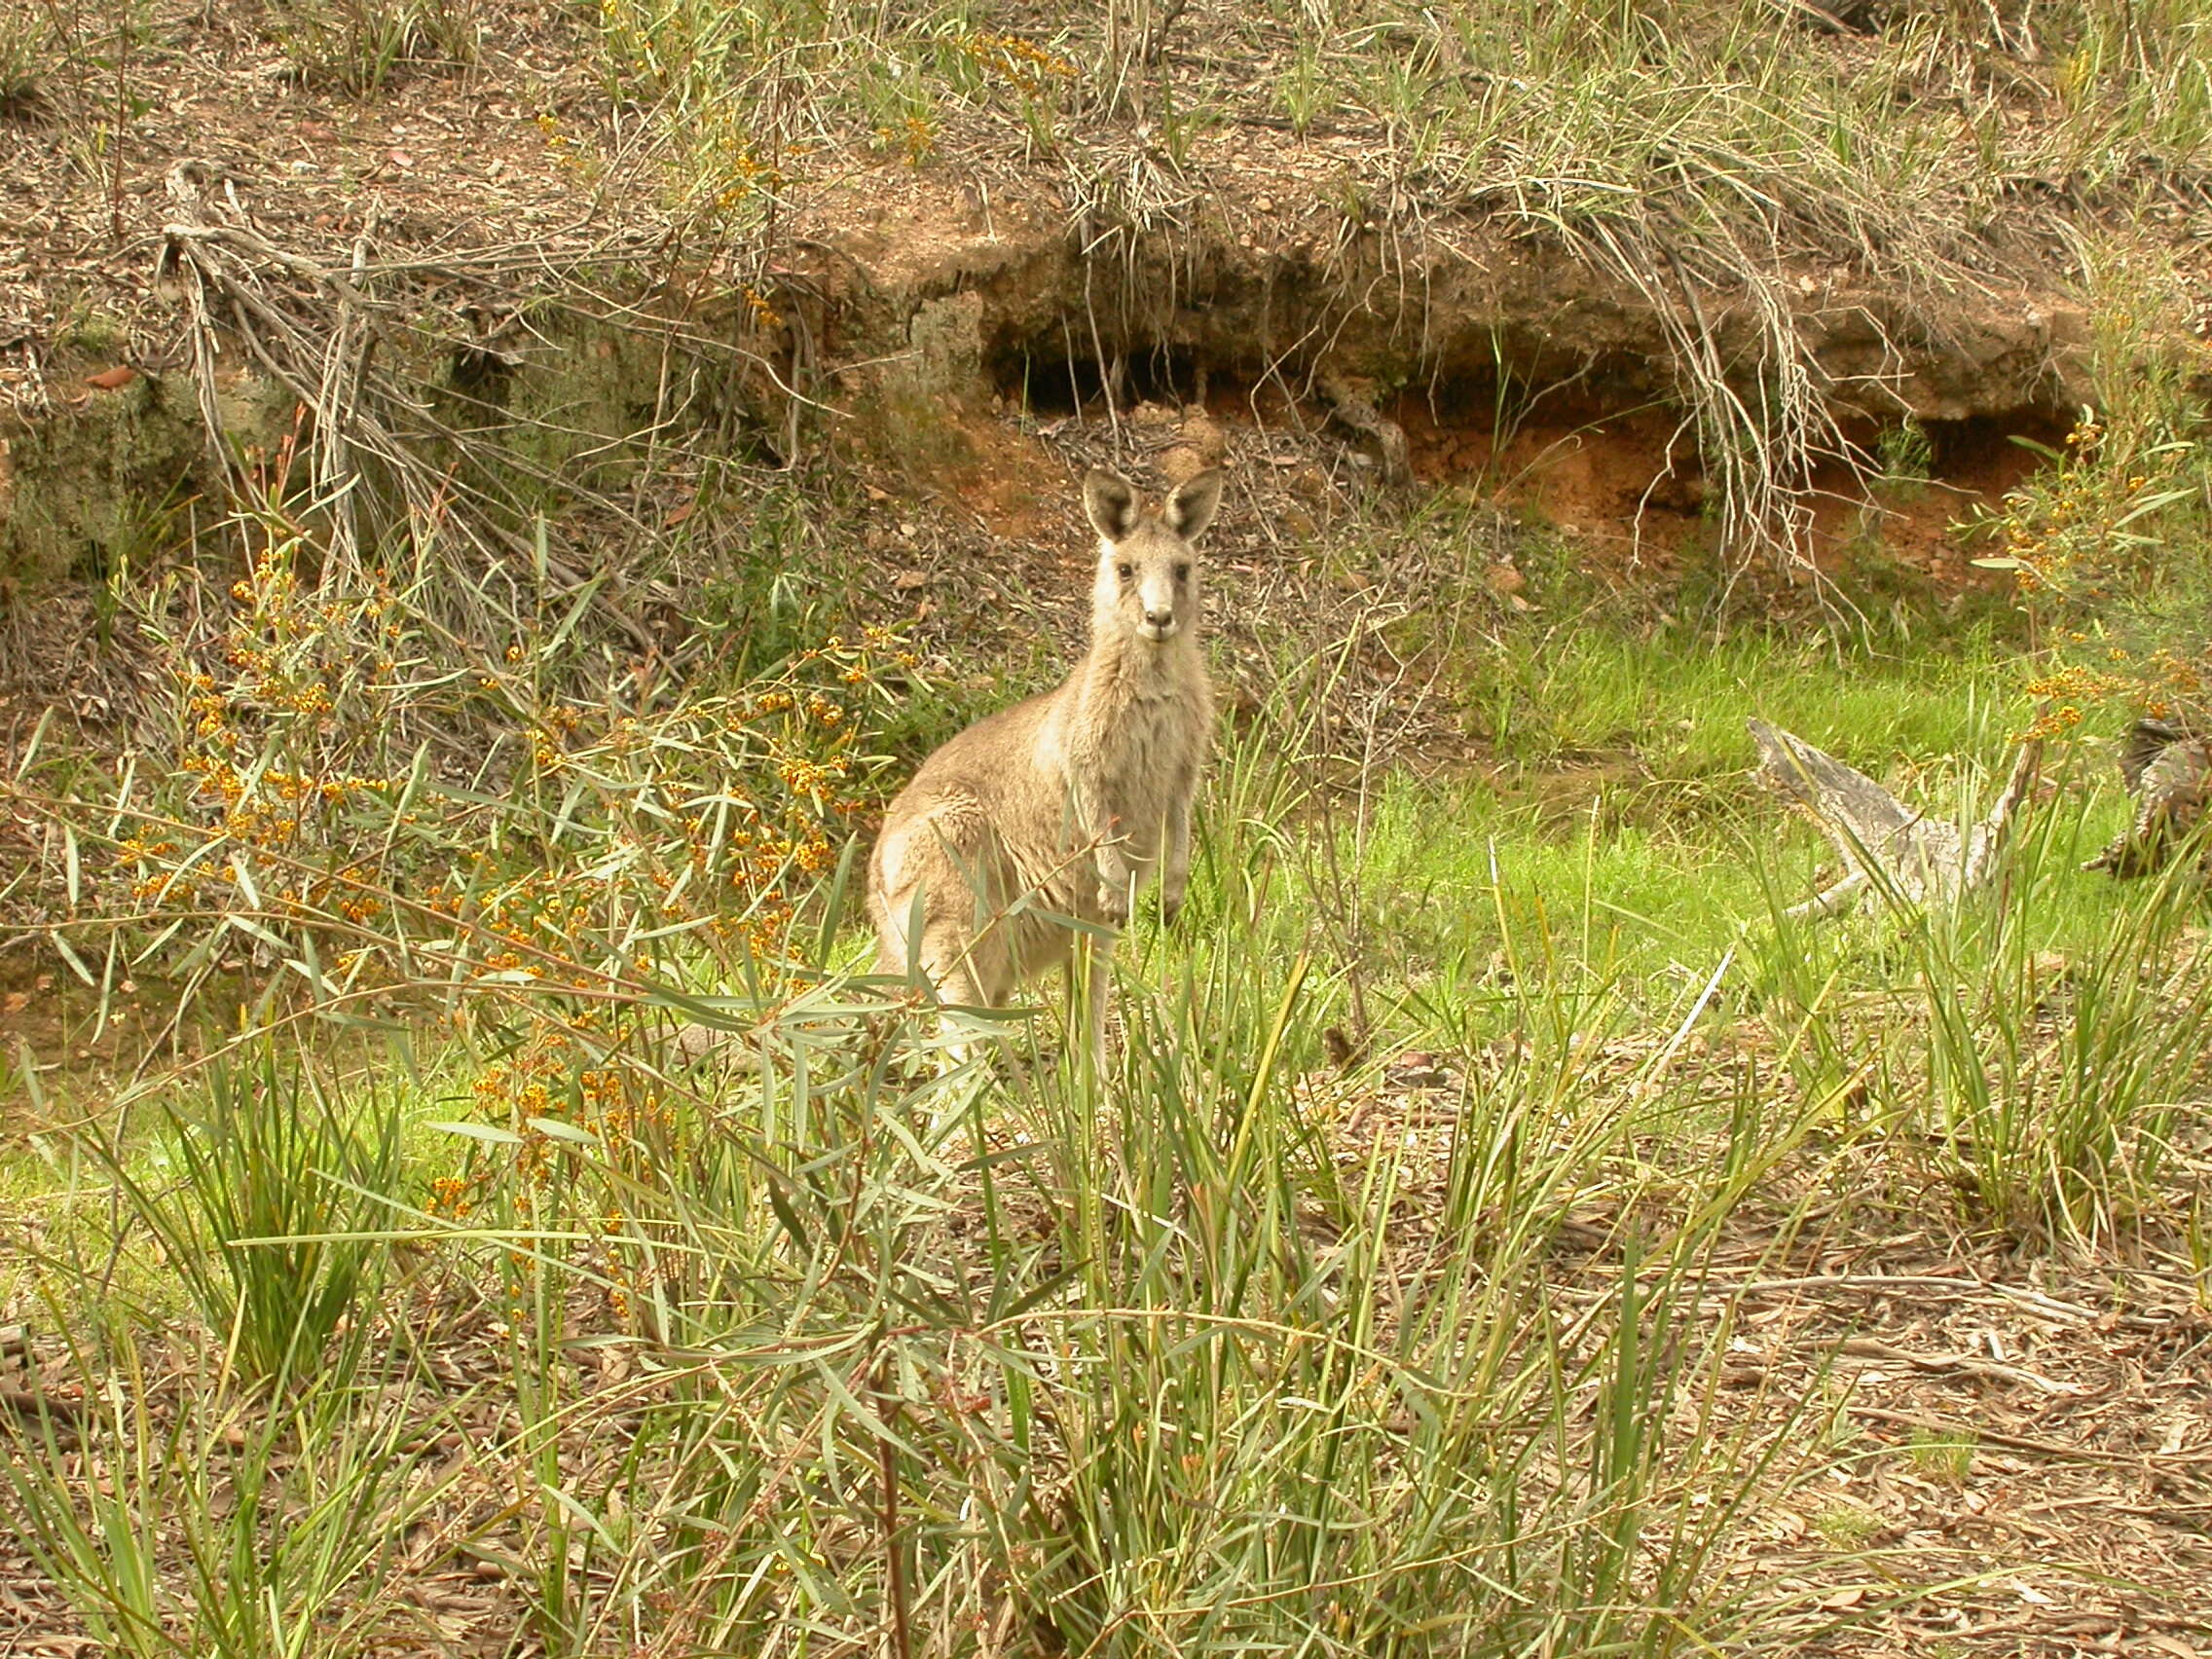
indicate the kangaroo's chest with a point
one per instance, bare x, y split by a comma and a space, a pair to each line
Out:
1151, 748
1147, 760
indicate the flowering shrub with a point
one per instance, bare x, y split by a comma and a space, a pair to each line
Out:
307, 798
2072, 530
2081, 538
1022, 64
284, 745
388, 809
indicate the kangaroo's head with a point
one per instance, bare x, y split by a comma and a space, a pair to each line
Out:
1148, 571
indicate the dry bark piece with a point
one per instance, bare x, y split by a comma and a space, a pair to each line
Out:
1912, 858
32, 1403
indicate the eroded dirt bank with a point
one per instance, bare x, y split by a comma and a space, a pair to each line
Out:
900, 314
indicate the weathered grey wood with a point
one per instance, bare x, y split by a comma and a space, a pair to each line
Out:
1908, 857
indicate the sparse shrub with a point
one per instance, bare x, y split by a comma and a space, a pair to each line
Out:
2107, 541
2083, 525
1301, 90
1846, 1525
357, 46
747, 93
307, 806
1948, 1454
24, 63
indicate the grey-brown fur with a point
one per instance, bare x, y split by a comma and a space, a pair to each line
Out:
1062, 805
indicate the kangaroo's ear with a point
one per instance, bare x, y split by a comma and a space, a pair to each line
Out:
1111, 503
1191, 509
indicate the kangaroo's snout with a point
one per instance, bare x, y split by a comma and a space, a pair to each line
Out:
1159, 625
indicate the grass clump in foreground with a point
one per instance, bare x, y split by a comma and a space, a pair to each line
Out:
827, 1343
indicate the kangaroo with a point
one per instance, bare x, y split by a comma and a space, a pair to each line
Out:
1060, 807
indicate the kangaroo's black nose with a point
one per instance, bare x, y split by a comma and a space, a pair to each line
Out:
1159, 618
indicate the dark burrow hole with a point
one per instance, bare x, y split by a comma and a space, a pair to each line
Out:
1983, 449
1051, 385
1474, 421
1984, 453
482, 375
22, 102
1536, 393
92, 564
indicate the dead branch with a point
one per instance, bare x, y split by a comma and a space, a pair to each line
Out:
2168, 770
1911, 858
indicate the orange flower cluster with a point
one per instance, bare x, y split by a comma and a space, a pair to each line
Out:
2070, 529
541, 912
2052, 722
1028, 66
2062, 692
2073, 682
748, 175
916, 137
765, 317
549, 744
2074, 534
551, 1079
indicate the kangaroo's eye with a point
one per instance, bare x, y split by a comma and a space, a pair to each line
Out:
1128, 571
1182, 573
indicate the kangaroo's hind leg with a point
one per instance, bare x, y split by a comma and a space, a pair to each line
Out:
1090, 984
910, 940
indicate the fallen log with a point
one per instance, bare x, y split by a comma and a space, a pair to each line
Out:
1910, 857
